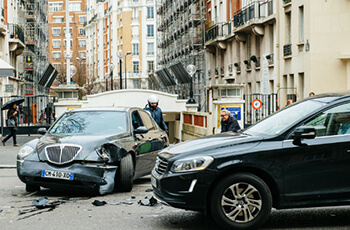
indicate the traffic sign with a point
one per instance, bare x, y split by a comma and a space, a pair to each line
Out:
256, 104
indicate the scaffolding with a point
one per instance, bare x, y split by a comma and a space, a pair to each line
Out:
180, 39
36, 41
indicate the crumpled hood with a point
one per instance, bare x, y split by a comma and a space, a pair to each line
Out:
211, 144
88, 144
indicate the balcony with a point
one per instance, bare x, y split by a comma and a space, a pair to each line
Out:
255, 10
218, 31
16, 37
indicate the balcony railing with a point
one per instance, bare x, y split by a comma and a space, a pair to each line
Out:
218, 30
286, 1
16, 32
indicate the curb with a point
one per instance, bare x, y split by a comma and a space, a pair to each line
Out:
7, 166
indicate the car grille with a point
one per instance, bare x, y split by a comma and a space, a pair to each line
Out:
62, 154
161, 165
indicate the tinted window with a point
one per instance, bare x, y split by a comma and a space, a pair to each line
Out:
147, 120
136, 120
91, 123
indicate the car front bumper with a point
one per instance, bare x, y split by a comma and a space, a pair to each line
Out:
182, 190
89, 176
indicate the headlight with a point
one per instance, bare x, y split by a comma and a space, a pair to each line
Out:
24, 151
104, 153
191, 164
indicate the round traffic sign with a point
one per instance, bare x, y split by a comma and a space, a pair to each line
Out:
256, 104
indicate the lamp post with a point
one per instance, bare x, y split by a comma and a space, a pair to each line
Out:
111, 67
106, 77
125, 86
120, 55
82, 79
191, 69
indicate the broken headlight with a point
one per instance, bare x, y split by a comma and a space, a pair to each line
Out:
24, 151
191, 164
104, 153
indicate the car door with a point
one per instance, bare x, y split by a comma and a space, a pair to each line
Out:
319, 169
155, 137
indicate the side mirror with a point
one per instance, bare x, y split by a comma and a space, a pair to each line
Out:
303, 132
42, 131
141, 130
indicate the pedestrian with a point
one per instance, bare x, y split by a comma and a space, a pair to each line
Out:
156, 112
12, 113
228, 122
48, 111
311, 94
289, 102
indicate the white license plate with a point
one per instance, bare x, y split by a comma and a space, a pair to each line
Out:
57, 175
153, 182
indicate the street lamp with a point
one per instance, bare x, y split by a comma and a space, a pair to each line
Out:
128, 53
106, 77
111, 67
191, 69
120, 55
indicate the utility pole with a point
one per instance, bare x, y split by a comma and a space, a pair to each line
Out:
68, 54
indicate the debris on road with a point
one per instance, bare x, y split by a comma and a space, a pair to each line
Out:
148, 202
42, 202
149, 190
99, 203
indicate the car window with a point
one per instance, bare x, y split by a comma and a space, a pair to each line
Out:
147, 120
91, 123
335, 121
136, 120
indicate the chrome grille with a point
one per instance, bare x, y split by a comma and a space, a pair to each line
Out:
161, 165
62, 154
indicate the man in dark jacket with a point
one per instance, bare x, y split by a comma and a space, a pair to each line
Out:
228, 123
156, 112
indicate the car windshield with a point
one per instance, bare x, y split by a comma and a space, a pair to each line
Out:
280, 121
91, 123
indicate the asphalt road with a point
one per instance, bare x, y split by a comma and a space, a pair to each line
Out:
123, 211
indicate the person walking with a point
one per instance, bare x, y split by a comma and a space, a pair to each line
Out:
12, 114
228, 122
156, 112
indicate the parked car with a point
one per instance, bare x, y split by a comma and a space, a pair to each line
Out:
94, 148
297, 157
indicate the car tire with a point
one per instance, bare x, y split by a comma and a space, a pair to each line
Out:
125, 174
32, 188
237, 195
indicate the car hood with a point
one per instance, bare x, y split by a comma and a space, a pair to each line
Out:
212, 145
89, 144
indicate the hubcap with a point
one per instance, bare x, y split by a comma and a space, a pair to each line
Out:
241, 202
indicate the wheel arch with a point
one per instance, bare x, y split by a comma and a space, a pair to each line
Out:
265, 176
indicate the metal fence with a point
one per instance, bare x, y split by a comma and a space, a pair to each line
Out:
269, 106
35, 111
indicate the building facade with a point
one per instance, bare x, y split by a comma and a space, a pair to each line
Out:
58, 41
277, 50
121, 43
12, 20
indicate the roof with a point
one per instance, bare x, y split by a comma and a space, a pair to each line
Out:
116, 108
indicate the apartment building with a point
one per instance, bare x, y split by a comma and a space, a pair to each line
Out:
277, 50
12, 18
58, 41
121, 42
180, 38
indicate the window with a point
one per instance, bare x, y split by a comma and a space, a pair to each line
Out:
230, 92
335, 121
136, 83
135, 49
57, 66
71, 43
56, 32
82, 19
82, 54
150, 30
147, 120
55, 6
82, 43
301, 23
56, 55
150, 12
288, 28
56, 44
150, 48
81, 31
150, 65
135, 67
58, 19
74, 6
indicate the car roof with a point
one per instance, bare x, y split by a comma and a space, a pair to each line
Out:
330, 97
104, 108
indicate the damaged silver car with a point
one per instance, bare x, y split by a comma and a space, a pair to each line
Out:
94, 148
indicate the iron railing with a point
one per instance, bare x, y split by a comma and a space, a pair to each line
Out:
16, 32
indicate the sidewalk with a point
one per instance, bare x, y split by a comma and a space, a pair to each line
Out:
8, 153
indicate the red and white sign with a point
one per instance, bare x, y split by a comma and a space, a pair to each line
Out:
256, 104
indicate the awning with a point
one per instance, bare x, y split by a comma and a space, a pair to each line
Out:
51, 79
45, 77
6, 70
180, 73
166, 78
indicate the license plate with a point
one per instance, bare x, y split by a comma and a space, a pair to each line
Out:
57, 175
154, 182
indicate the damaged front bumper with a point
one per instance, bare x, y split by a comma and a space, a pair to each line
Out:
87, 176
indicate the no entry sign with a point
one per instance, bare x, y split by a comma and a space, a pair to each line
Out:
256, 104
